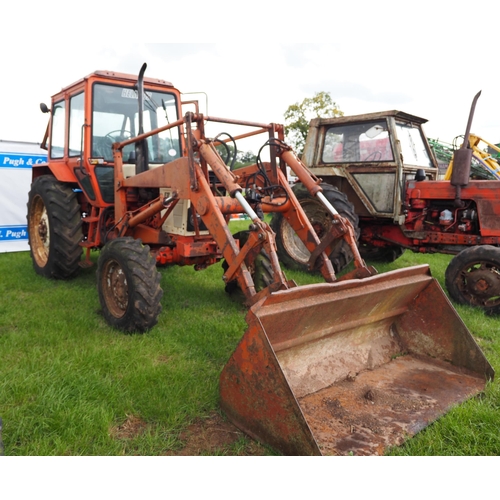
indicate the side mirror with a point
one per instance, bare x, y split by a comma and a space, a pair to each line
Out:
372, 132
44, 108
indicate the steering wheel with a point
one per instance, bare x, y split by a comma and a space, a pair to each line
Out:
118, 136
115, 136
375, 156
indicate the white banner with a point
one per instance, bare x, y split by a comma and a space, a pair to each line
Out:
15, 180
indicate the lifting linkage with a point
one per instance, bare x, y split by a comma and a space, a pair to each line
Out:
262, 235
187, 178
341, 227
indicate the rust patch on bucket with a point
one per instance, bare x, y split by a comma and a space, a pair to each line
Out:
366, 414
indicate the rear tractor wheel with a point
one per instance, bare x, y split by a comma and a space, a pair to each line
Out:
291, 251
54, 228
473, 278
129, 285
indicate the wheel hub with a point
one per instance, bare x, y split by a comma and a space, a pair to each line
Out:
483, 283
42, 230
319, 228
115, 289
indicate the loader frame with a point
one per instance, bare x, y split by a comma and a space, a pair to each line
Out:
189, 179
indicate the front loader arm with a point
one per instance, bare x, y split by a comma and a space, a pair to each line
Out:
178, 177
341, 227
260, 236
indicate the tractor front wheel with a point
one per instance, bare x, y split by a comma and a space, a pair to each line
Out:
54, 228
261, 269
129, 285
473, 278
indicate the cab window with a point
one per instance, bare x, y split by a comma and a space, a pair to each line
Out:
357, 143
57, 135
76, 121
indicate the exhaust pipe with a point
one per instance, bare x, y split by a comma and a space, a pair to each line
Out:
462, 159
141, 147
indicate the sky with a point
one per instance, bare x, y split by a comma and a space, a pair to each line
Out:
425, 58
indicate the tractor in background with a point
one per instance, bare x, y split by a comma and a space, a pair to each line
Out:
383, 171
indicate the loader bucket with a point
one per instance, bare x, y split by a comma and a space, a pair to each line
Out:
351, 367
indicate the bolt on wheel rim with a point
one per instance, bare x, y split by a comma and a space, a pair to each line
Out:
481, 284
39, 230
321, 223
115, 288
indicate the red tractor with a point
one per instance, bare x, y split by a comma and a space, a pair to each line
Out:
128, 174
385, 168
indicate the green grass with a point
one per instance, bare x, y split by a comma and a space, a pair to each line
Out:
68, 381
67, 378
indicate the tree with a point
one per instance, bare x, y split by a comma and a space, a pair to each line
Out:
243, 158
298, 116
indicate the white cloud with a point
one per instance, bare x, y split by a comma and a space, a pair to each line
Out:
421, 57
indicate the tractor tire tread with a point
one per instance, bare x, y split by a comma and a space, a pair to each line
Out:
459, 264
143, 279
65, 226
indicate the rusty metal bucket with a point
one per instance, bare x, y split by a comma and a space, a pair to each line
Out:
351, 367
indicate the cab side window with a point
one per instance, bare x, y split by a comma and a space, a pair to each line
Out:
57, 135
76, 121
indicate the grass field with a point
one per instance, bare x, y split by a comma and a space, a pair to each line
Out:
70, 385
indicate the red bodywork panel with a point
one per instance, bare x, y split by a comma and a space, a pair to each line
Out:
432, 221
483, 193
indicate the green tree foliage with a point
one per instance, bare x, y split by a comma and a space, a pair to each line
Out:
298, 116
243, 158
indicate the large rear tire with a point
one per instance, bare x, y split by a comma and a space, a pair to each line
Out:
129, 285
54, 228
473, 278
291, 251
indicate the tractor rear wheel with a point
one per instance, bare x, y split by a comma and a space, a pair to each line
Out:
129, 285
54, 228
473, 278
291, 251
261, 270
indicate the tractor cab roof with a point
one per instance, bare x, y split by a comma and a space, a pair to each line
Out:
116, 76
368, 117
